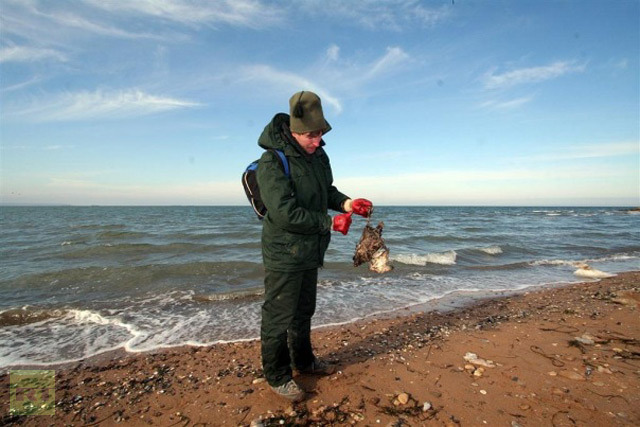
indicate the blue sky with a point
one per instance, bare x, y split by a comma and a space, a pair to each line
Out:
147, 102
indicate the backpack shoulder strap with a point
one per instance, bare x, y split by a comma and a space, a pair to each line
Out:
283, 160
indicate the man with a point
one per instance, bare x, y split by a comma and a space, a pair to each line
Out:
295, 236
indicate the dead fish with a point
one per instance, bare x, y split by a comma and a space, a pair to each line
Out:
371, 249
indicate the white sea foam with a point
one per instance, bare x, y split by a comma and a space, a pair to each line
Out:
548, 212
491, 250
543, 262
442, 258
90, 316
579, 263
617, 257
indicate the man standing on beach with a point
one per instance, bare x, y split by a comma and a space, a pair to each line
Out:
295, 236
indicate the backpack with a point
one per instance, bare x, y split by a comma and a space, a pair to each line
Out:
250, 183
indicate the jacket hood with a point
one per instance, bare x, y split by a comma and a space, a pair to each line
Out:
276, 135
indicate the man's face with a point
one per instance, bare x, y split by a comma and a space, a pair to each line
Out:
309, 141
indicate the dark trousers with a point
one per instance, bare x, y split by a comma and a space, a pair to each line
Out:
289, 304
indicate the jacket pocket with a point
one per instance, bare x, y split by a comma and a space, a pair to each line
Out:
293, 250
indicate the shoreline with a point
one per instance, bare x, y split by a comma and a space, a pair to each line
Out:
416, 352
454, 300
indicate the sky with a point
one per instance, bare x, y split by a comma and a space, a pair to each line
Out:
439, 102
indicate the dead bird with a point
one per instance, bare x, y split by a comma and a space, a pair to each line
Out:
371, 249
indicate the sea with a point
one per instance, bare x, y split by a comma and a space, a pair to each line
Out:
80, 281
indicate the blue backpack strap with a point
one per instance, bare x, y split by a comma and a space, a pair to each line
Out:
284, 161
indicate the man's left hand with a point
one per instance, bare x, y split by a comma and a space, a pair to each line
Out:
342, 222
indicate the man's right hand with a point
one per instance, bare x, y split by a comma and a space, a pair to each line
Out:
342, 223
362, 207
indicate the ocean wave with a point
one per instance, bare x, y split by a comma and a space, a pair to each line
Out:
99, 227
553, 212
73, 242
491, 250
76, 335
447, 239
616, 257
123, 278
578, 263
554, 262
511, 266
442, 258
225, 236
90, 316
129, 249
117, 235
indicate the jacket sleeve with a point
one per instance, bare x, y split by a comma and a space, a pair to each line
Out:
278, 196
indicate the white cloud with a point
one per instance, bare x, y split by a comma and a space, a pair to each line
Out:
29, 54
246, 13
622, 64
530, 75
61, 23
92, 190
377, 14
49, 23
507, 186
287, 81
339, 74
607, 150
590, 151
91, 26
333, 52
100, 104
21, 85
506, 105
391, 59
58, 147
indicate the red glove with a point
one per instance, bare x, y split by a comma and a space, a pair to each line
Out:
362, 207
342, 222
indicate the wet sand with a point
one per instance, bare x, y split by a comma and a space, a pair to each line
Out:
560, 356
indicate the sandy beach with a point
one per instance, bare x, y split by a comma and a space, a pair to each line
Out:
558, 356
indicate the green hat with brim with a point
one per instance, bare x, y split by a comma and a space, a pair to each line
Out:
306, 113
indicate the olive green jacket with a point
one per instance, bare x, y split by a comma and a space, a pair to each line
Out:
296, 229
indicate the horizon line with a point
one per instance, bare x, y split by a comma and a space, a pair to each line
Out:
637, 206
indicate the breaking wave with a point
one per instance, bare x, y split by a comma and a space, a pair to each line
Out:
90, 316
442, 258
578, 263
491, 250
